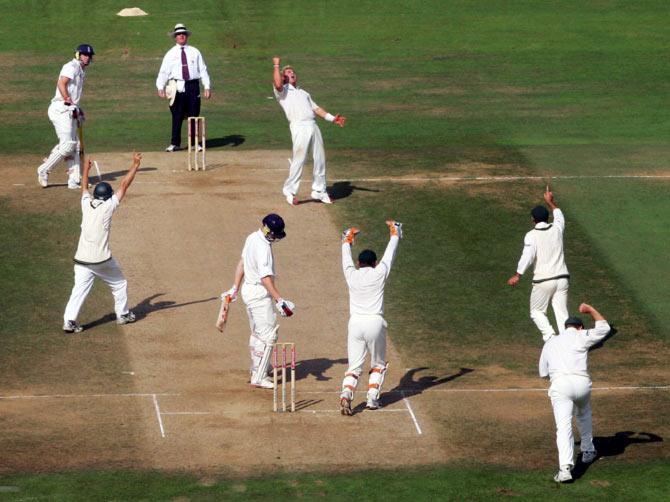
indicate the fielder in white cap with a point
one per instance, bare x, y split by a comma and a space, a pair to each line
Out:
564, 361
367, 327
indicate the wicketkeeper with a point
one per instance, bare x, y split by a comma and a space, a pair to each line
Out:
367, 327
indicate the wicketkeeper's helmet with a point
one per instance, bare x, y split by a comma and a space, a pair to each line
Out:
103, 191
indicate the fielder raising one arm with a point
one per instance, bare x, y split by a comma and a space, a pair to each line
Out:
254, 278
367, 327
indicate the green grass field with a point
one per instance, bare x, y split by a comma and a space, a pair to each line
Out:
430, 88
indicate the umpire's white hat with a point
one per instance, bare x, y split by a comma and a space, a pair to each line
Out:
180, 28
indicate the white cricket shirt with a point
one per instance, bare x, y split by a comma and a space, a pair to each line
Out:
96, 223
366, 284
258, 259
75, 86
297, 104
543, 246
567, 353
171, 67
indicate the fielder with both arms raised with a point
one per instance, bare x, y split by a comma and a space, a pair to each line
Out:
367, 327
256, 268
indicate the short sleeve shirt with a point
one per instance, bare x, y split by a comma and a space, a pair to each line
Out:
258, 259
96, 224
75, 86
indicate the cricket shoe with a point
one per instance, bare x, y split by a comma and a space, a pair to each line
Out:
73, 185
292, 199
345, 407
126, 318
372, 404
72, 327
322, 196
199, 148
42, 178
264, 383
563, 475
589, 456
173, 148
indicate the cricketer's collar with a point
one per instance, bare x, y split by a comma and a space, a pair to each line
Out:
543, 225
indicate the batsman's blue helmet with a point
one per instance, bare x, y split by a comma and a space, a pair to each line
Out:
83, 49
103, 191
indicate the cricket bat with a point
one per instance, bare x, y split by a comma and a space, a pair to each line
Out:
223, 313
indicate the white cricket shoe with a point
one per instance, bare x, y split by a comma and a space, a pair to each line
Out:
264, 383
173, 148
199, 148
589, 456
322, 196
126, 318
72, 327
292, 199
42, 178
372, 404
345, 407
73, 185
563, 475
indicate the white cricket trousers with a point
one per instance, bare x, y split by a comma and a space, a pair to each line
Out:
571, 394
556, 292
84, 275
367, 333
262, 322
304, 134
68, 143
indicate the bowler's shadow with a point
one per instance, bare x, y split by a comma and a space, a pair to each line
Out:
408, 386
316, 367
232, 140
612, 446
343, 189
145, 307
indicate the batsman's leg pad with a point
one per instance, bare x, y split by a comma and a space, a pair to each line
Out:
376, 380
261, 370
349, 384
66, 148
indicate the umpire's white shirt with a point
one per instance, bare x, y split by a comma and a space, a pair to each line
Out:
297, 103
366, 284
75, 86
171, 67
567, 353
258, 259
96, 223
544, 246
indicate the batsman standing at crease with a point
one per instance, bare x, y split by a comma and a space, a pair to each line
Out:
179, 80
301, 111
259, 292
367, 327
564, 361
543, 247
66, 116
93, 257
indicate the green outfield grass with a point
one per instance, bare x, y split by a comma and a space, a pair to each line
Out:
449, 88
614, 481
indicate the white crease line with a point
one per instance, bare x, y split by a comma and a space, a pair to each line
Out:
412, 392
65, 396
411, 413
501, 178
158, 415
18, 184
381, 410
187, 413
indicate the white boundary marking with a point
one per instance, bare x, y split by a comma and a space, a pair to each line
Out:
411, 413
158, 415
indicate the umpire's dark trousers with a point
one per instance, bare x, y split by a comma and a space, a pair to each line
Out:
186, 104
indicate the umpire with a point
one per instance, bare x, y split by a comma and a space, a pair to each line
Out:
179, 80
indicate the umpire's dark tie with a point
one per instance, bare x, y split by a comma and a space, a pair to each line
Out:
184, 66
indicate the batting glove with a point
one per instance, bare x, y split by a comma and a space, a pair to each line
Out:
395, 227
285, 307
349, 235
232, 293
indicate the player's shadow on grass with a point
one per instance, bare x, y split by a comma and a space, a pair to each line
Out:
343, 189
316, 367
146, 307
232, 140
612, 446
408, 386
